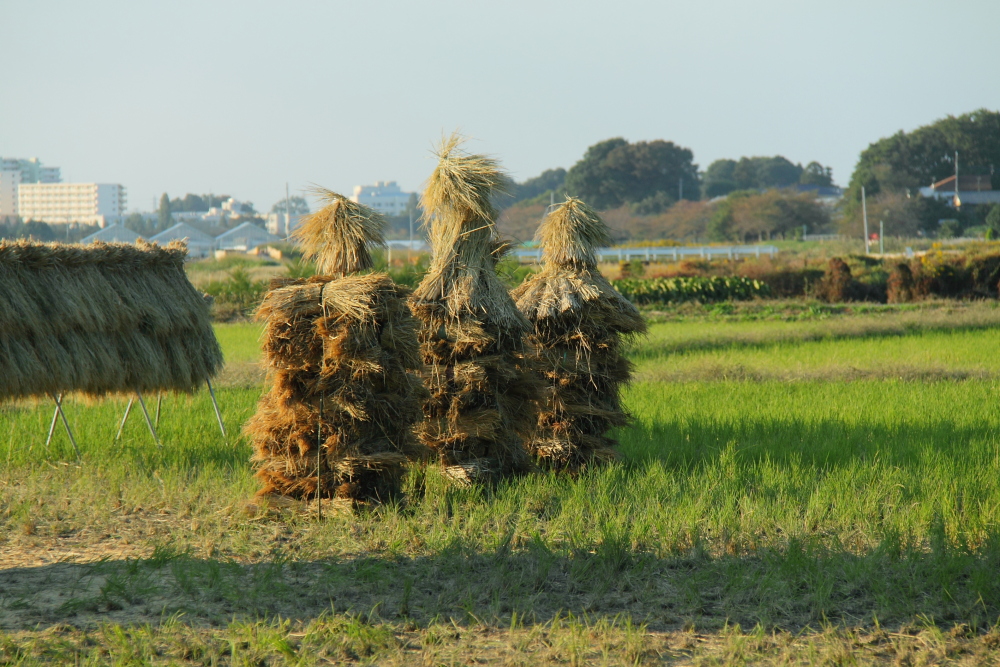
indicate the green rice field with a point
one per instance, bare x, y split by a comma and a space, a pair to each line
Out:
817, 489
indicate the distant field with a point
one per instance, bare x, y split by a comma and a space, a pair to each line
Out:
820, 490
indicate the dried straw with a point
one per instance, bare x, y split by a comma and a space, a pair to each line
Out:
580, 326
101, 318
472, 335
340, 236
348, 343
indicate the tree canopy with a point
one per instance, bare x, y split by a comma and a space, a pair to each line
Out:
908, 161
297, 204
760, 173
615, 172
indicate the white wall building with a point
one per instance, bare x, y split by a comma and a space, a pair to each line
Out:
9, 180
244, 238
385, 197
88, 203
199, 244
280, 225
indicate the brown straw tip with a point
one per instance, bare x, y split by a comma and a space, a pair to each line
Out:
571, 233
463, 183
341, 235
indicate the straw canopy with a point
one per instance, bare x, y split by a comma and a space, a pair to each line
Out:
472, 335
101, 318
340, 237
343, 360
580, 325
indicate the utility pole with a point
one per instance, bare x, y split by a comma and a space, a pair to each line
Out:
409, 259
288, 212
958, 202
864, 215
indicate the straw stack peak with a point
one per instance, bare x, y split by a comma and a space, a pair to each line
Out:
341, 235
571, 233
462, 187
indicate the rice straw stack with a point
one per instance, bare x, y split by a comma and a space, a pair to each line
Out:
344, 363
580, 324
472, 335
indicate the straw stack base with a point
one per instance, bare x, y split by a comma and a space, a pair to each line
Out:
349, 345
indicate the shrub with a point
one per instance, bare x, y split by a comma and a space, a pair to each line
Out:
239, 290
662, 291
836, 284
900, 284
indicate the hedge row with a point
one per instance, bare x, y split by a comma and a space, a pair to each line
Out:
660, 291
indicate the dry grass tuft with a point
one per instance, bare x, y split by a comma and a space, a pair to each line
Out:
580, 324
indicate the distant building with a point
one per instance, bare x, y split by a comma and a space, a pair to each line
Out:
199, 243
87, 203
244, 238
385, 197
32, 170
972, 190
280, 225
112, 234
10, 179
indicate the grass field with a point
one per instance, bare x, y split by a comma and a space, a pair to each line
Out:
822, 488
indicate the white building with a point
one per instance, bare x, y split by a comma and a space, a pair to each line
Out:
32, 170
9, 180
385, 197
88, 203
281, 225
199, 244
112, 234
244, 238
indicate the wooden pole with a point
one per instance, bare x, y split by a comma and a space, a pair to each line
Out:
52, 429
149, 422
319, 461
128, 408
159, 400
215, 404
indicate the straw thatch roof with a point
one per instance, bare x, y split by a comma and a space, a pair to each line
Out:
580, 324
472, 335
99, 319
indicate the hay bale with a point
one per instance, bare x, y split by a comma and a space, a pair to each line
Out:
580, 324
101, 318
472, 335
348, 343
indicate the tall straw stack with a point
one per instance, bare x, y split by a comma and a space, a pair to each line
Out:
344, 363
580, 323
101, 318
472, 335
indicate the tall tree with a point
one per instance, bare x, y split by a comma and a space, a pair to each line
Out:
615, 172
164, 218
907, 161
297, 204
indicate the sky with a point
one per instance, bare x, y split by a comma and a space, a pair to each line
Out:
243, 97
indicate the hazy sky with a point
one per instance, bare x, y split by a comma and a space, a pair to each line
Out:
240, 97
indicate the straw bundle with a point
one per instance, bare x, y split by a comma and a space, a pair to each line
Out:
580, 324
472, 335
344, 361
101, 318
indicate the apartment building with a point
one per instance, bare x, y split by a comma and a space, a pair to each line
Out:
386, 197
10, 179
88, 203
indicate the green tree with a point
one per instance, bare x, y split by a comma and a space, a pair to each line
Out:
816, 174
908, 161
615, 172
298, 206
993, 219
164, 219
549, 181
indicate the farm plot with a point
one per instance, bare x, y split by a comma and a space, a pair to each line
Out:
788, 512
